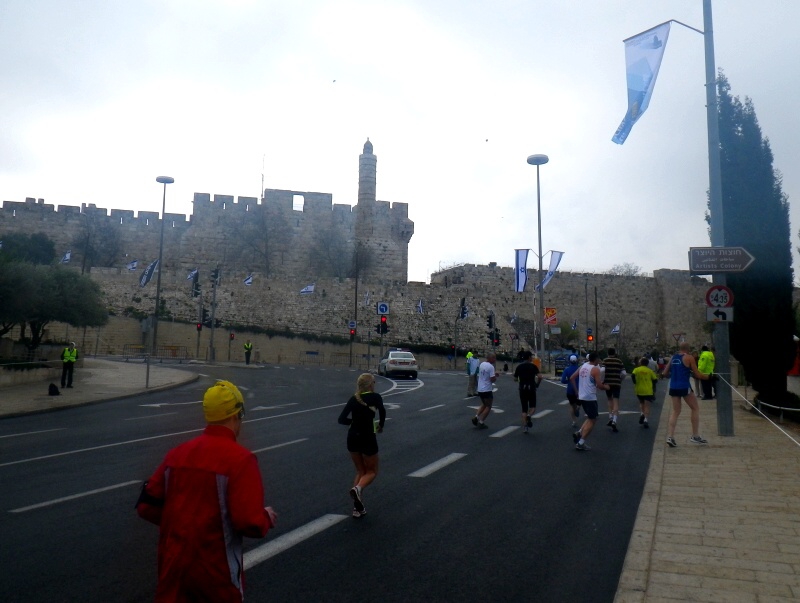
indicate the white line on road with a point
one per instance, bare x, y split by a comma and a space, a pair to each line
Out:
282, 543
280, 445
163, 414
431, 407
436, 465
14, 435
541, 414
505, 432
73, 497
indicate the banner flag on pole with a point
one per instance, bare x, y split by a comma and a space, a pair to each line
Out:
192, 274
555, 260
521, 270
308, 289
366, 298
148, 273
615, 330
249, 280
575, 325
67, 257
643, 54
420, 308
132, 265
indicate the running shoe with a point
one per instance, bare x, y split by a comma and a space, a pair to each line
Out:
580, 446
698, 440
528, 421
355, 494
671, 442
641, 419
475, 421
357, 513
614, 426
576, 436
646, 425
610, 421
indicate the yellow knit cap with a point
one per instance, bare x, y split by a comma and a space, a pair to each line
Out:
222, 400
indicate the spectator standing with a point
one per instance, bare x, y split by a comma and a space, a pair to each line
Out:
644, 383
362, 443
614, 372
248, 349
205, 497
679, 370
705, 364
68, 358
572, 389
486, 379
528, 376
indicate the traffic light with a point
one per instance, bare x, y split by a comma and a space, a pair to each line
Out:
590, 338
496, 338
206, 320
464, 312
215, 277
232, 336
384, 328
199, 326
490, 321
352, 334
196, 284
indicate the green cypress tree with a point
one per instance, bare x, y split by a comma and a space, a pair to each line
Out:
756, 217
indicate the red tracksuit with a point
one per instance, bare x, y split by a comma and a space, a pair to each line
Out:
205, 496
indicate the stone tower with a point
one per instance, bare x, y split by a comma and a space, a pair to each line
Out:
383, 230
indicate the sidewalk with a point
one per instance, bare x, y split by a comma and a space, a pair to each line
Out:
97, 381
717, 523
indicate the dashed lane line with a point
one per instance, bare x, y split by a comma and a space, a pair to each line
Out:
431, 407
56, 501
504, 432
436, 465
286, 541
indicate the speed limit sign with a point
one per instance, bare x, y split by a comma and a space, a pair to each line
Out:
719, 296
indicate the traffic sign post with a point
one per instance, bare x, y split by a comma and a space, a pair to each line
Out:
719, 296
382, 308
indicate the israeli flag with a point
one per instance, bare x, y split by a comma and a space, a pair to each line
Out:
249, 280
67, 257
615, 330
148, 273
307, 290
521, 271
643, 54
366, 298
575, 325
420, 308
192, 274
555, 260
132, 265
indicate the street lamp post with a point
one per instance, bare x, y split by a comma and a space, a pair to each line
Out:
165, 180
538, 160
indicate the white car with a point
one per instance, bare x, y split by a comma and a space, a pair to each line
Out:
398, 362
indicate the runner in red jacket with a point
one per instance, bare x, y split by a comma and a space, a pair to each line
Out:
205, 497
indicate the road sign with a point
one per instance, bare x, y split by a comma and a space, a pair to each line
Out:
382, 307
719, 314
708, 260
719, 296
589, 331
550, 316
352, 324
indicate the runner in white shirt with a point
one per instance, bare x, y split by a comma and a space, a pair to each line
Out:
486, 378
589, 381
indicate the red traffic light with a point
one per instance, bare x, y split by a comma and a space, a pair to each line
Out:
352, 332
233, 336
383, 319
199, 326
590, 338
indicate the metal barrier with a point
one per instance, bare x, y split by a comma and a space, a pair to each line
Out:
172, 352
311, 357
135, 351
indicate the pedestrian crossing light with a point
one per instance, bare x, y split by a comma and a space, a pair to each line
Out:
199, 326
384, 328
590, 338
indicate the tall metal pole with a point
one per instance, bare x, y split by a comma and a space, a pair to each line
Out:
165, 180
721, 334
538, 160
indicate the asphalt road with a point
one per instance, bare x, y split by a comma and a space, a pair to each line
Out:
504, 517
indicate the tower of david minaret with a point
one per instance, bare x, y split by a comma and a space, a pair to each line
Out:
382, 228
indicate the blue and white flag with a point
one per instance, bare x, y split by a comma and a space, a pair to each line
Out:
521, 270
575, 325
249, 280
420, 308
615, 330
643, 54
148, 273
192, 274
307, 290
514, 318
366, 298
657, 337
67, 257
555, 260
132, 265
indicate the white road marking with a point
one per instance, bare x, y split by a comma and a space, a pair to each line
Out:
505, 432
436, 465
160, 404
273, 407
286, 541
14, 435
541, 414
73, 497
163, 414
273, 447
494, 409
431, 407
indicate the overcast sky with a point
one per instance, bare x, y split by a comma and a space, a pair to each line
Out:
101, 96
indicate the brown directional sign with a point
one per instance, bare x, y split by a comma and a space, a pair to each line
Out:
707, 260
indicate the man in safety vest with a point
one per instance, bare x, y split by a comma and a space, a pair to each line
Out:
68, 358
248, 348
